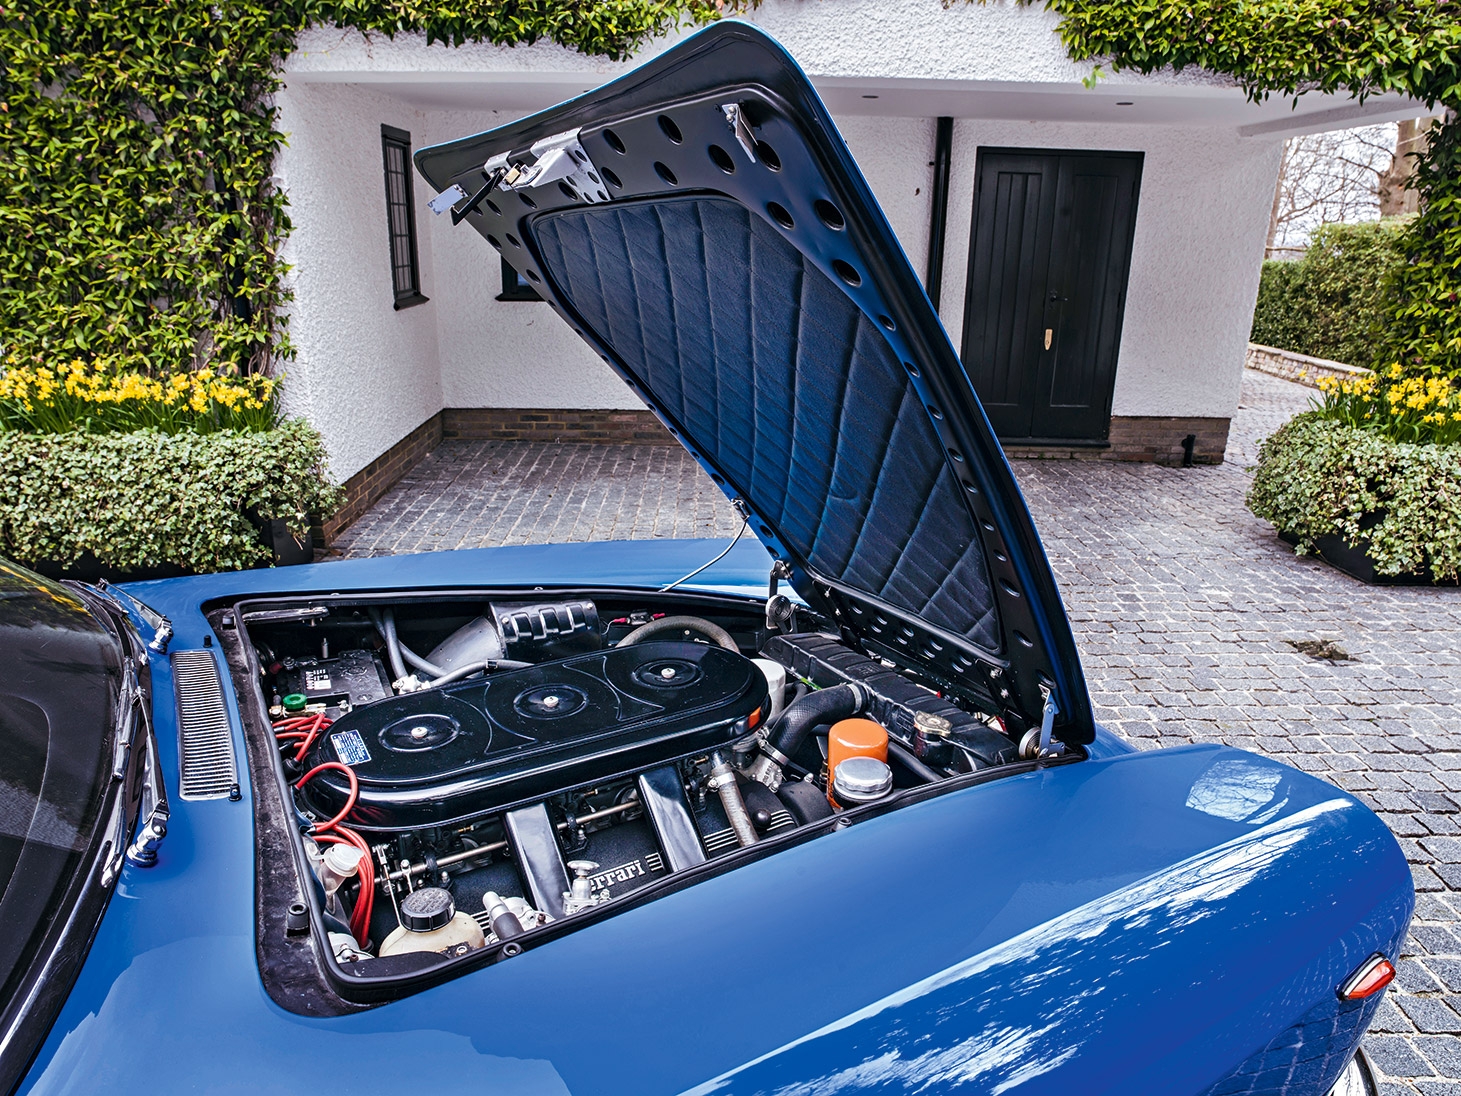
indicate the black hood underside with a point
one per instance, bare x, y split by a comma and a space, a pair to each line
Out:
701, 224
789, 391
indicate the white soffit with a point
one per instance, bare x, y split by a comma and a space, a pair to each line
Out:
1146, 103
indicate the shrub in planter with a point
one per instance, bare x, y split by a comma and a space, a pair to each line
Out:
1398, 501
143, 500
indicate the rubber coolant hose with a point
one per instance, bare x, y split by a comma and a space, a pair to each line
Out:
679, 624
478, 668
790, 729
430, 669
393, 651
397, 652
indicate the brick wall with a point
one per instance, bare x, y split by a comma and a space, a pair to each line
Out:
1149, 439
537, 424
1158, 439
380, 475
1297, 367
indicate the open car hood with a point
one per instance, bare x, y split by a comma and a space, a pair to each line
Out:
702, 225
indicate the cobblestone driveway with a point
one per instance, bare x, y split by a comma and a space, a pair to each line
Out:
1186, 609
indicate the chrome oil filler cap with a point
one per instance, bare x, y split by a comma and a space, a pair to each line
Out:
861, 780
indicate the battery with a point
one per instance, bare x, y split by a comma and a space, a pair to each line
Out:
347, 681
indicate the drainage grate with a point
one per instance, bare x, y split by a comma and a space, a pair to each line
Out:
205, 737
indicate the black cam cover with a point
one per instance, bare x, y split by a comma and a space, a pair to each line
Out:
441, 755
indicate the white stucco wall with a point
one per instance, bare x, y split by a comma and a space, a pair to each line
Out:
501, 353
365, 374
894, 154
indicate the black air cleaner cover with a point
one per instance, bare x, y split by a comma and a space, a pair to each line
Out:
440, 755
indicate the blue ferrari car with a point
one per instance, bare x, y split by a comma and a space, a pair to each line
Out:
824, 812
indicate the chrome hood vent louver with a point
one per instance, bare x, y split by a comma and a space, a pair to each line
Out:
205, 737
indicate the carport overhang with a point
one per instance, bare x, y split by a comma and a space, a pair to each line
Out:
898, 58
1000, 70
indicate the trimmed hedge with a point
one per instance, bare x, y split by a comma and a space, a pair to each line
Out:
1400, 501
146, 499
1331, 303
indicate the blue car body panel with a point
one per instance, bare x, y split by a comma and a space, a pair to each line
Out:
1133, 923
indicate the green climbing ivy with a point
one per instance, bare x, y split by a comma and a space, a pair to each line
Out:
139, 221
1293, 46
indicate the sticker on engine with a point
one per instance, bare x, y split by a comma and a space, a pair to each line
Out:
350, 747
316, 681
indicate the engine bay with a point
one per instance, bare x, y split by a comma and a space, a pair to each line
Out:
468, 776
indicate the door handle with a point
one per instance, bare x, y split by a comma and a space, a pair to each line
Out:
1049, 334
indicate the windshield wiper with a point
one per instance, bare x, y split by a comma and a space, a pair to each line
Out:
143, 850
142, 794
135, 761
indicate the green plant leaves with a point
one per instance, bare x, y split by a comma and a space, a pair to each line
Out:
1332, 302
1291, 46
146, 498
1401, 501
139, 221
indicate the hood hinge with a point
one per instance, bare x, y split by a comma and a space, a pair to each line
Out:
556, 159
1037, 740
735, 117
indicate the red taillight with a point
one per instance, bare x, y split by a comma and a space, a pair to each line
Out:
1373, 975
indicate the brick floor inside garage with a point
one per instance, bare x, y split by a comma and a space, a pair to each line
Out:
1186, 609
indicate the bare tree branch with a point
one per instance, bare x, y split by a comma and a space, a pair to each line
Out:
1329, 177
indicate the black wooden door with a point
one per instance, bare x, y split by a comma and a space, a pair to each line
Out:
1048, 261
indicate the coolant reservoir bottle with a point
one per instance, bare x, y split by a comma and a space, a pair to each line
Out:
853, 738
430, 922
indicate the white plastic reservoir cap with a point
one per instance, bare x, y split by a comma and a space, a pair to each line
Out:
775, 674
343, 860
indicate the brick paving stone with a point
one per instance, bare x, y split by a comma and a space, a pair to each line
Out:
1430, 1015
480, 494
1183, 604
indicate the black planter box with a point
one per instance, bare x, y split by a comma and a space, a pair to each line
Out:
288, 552
273, 534
1354, 560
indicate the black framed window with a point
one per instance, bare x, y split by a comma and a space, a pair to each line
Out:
395, 147
514, 286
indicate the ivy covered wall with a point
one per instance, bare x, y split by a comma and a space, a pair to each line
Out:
139, 222
138, 219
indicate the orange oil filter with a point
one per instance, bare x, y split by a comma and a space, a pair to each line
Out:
853, 738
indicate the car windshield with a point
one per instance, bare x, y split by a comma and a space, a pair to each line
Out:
58, 715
